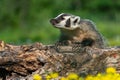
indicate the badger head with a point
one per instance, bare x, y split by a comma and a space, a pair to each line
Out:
66, 21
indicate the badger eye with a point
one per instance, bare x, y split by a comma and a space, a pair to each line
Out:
62, 18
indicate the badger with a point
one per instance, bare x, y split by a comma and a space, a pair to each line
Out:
75, 29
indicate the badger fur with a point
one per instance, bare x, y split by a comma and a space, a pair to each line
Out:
75, 29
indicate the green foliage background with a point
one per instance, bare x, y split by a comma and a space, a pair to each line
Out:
27, 21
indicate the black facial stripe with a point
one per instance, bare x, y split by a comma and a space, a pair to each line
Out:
75, 21
67, 23
60, 18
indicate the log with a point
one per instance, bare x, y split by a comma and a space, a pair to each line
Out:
23, 61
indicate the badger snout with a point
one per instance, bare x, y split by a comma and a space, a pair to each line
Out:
53, 21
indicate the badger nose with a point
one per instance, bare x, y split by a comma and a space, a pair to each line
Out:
53, 21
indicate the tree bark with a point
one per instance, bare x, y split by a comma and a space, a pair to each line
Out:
22, 62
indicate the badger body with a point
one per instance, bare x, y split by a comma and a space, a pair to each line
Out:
75, 29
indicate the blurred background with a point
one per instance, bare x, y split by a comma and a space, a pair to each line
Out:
27, 21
